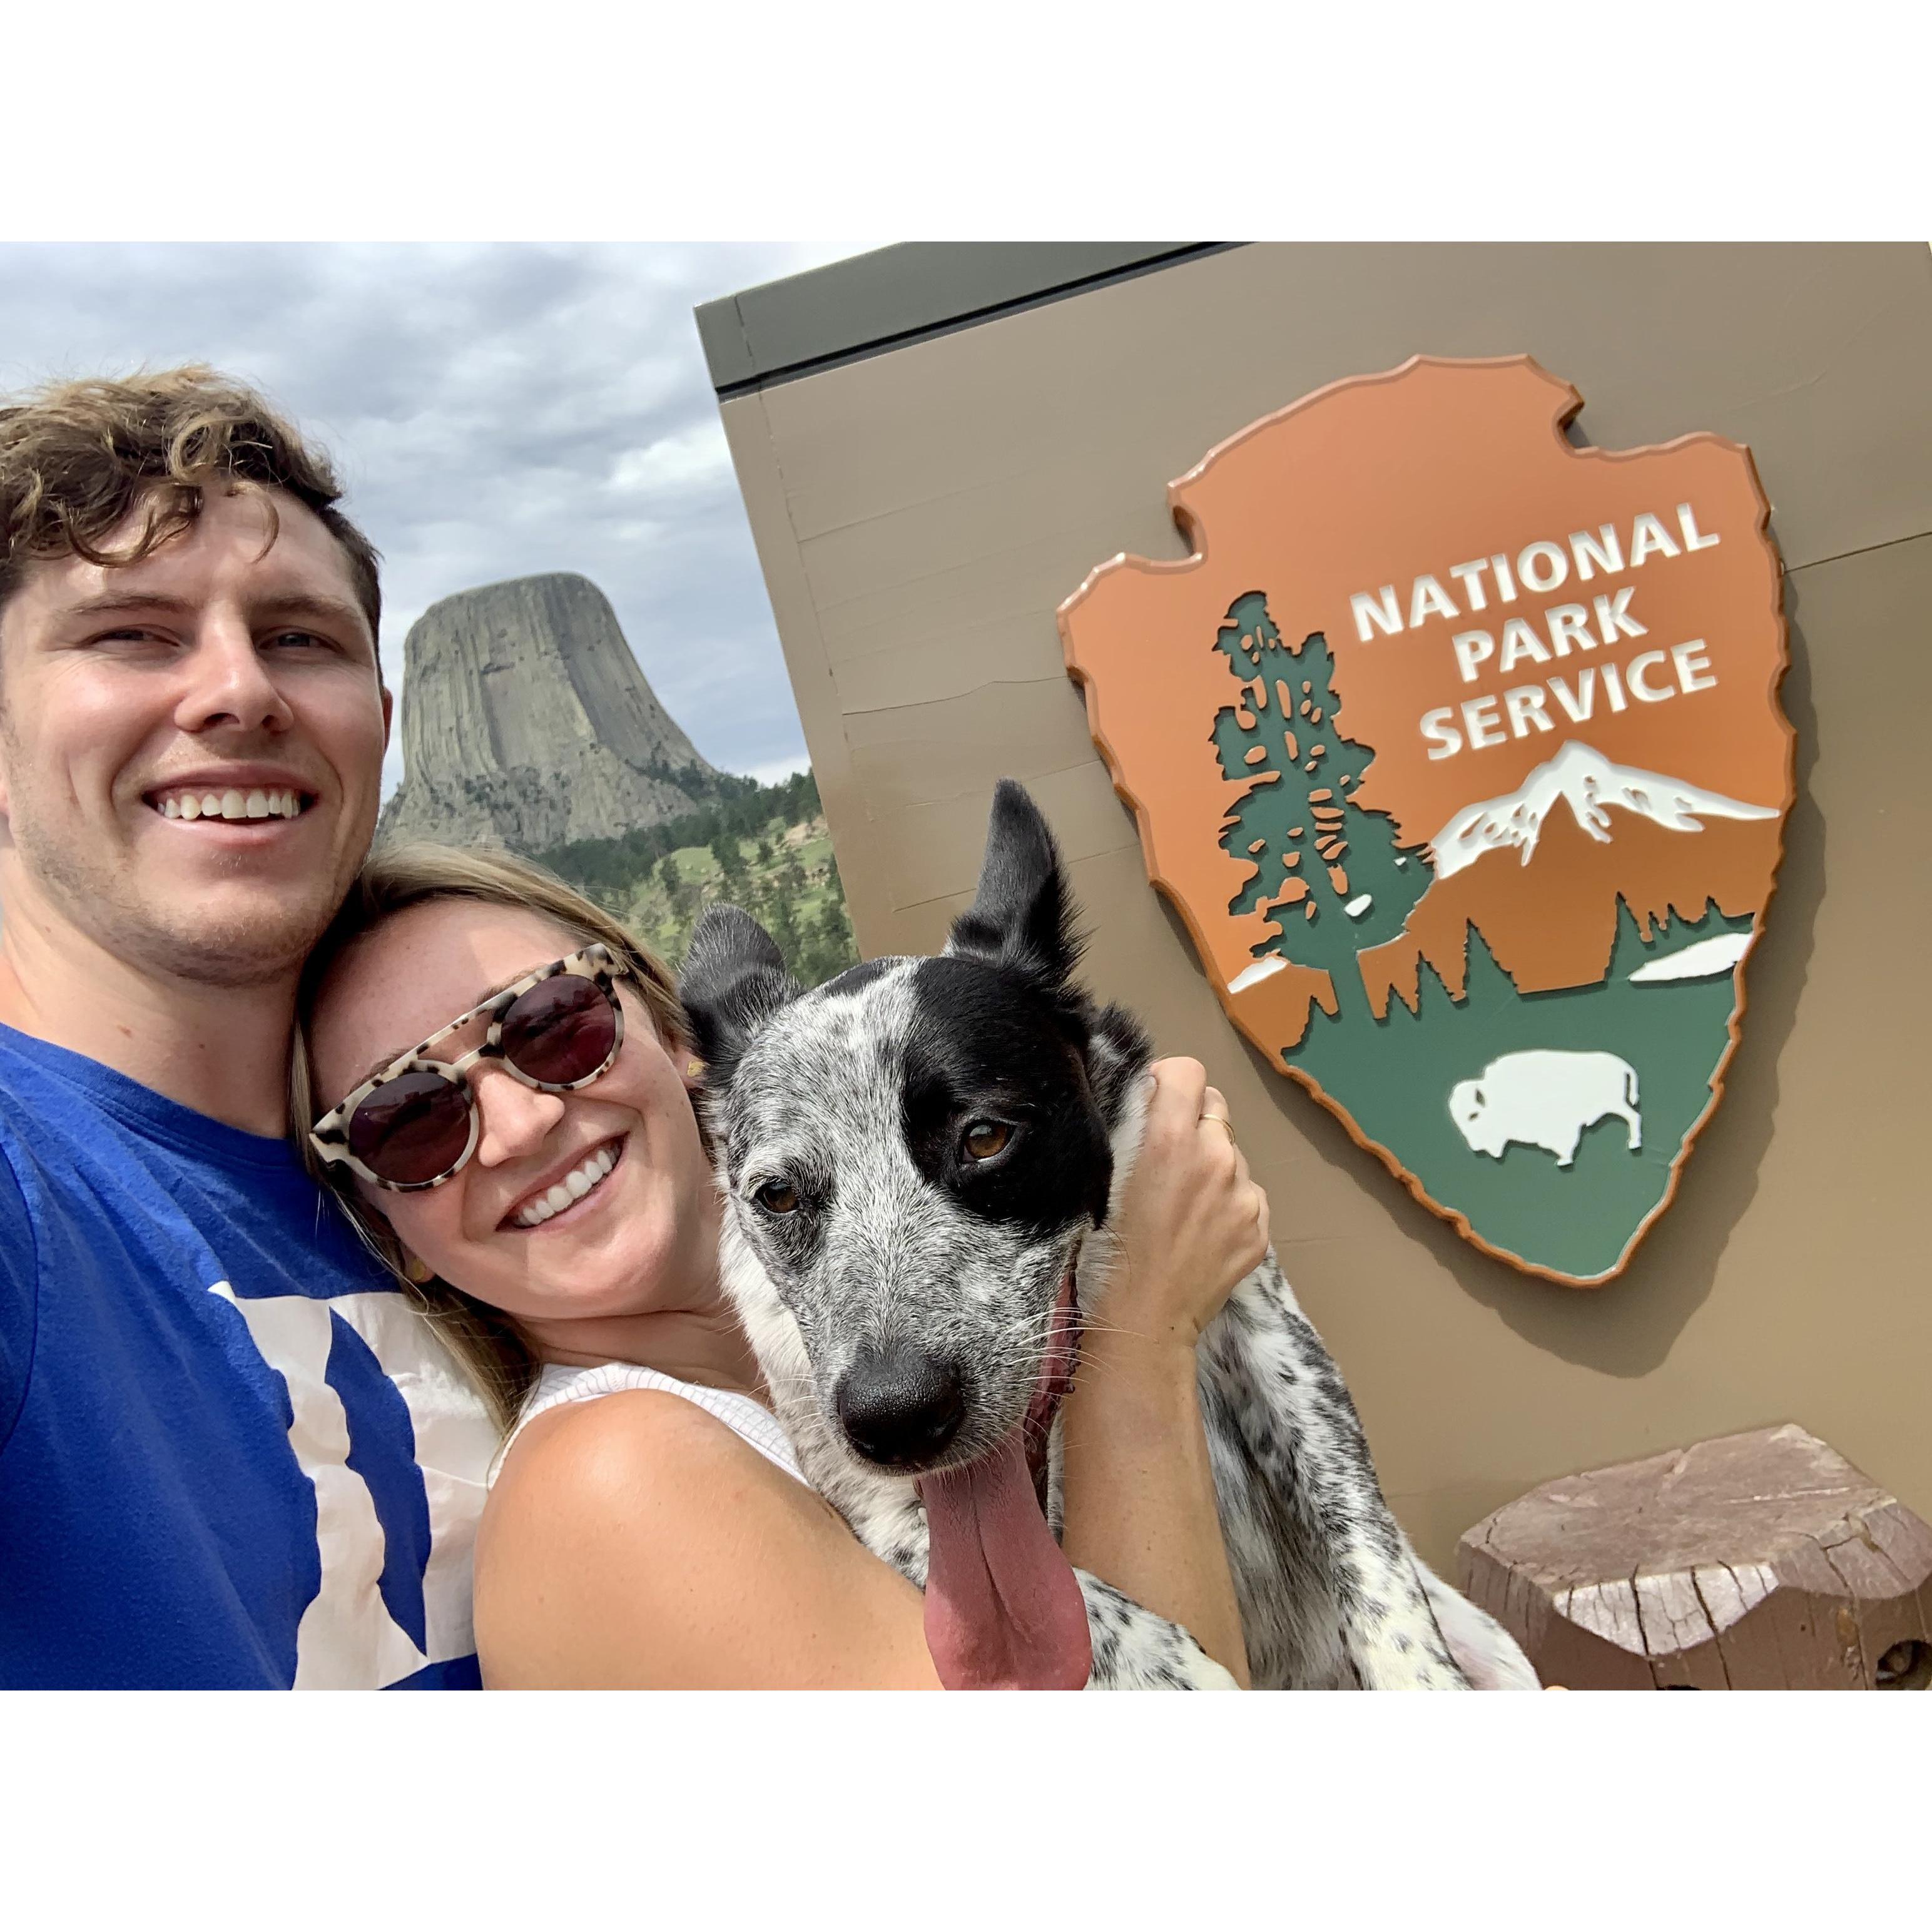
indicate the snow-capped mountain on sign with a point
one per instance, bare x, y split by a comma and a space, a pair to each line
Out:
1550, 919
1582, 778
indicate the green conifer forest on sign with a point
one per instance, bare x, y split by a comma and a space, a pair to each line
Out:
1317, 853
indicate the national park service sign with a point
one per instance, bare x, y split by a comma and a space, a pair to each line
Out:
1458, 749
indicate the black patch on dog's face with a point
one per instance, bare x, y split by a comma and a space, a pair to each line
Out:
987, 1044
856, 979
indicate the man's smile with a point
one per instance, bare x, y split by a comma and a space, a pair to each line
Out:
192, 803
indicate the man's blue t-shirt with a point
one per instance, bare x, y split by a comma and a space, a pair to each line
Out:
231, 1452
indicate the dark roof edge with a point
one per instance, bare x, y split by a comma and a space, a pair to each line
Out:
874, 303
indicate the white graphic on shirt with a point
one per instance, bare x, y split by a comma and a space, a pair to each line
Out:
347, 1639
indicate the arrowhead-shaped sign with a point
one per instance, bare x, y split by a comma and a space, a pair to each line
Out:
1458, 748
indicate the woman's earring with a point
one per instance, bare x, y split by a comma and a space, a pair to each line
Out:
418, 1270
693, 1069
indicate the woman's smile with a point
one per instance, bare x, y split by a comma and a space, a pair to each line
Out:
569, 1194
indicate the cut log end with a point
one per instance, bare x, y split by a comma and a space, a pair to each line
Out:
1762, 1561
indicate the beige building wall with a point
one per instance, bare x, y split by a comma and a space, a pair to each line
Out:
920, 513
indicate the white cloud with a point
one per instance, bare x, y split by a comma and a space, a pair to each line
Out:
691, 459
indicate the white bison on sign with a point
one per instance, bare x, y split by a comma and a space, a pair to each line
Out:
1545, 1099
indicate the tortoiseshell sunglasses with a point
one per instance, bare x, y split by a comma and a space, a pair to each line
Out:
414, 1124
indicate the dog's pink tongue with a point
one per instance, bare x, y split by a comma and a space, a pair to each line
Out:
1004, 1610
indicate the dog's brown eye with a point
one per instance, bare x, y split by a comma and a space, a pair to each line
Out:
777, 1197
984, 1138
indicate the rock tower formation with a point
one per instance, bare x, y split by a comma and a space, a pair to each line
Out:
526, 721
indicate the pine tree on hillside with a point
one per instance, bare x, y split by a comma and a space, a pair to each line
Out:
730, 860
681, 893
783, 927
1329, 873
825, 946
835, 924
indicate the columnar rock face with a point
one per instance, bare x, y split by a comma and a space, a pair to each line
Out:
525, 720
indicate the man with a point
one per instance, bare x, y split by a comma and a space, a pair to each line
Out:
230, 1452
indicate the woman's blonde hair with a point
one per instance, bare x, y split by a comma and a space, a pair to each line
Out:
489, 1343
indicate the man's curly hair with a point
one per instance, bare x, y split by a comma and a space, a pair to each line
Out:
77, 459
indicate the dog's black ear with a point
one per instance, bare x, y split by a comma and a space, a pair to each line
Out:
1020, 917
734, 979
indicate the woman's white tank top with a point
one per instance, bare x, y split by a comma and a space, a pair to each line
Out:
558, 1384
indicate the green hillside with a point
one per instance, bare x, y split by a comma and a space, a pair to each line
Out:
763, 847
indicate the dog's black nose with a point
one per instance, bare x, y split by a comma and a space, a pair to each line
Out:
900, 1407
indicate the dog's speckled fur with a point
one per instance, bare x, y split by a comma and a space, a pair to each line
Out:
853, 1097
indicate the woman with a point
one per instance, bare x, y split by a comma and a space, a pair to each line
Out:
562, 1226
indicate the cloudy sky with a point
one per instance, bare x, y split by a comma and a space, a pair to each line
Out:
494, 411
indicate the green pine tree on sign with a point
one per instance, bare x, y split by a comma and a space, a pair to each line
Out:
1329, 873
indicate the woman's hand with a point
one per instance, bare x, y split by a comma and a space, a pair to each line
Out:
1192, 1222
1137, 1478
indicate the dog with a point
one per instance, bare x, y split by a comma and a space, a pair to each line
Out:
922, 1162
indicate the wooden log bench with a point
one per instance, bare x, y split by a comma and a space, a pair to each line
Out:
1759, 1562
